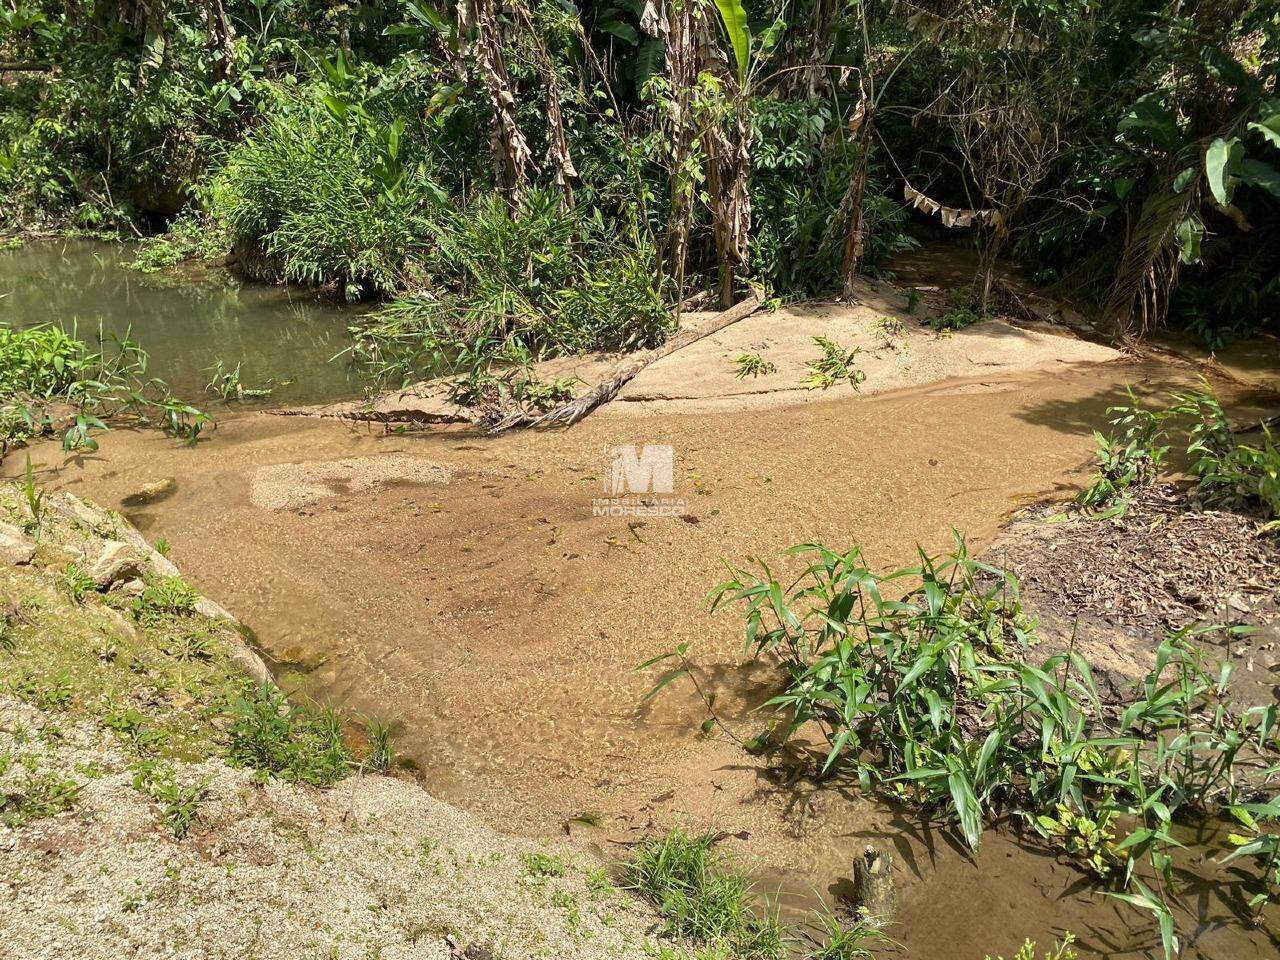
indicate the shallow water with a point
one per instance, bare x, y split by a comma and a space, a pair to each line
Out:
463, 590
497, 623
276, 333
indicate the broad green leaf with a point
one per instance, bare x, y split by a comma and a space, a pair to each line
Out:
1188, 235
734, 19
1148, 115
1269, 127
1258, 174
621, 30
966, 805
1226, 68
1221, 161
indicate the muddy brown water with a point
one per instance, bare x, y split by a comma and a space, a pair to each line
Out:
498, 622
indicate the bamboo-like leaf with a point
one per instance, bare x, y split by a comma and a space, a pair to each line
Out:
967, 808
666, 679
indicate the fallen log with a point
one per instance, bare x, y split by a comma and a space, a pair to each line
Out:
575, 410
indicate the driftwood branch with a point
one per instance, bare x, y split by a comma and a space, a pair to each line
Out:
1265, 424
10, 66
570, 413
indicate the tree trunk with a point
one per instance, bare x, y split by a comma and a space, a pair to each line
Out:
511, 155
855, 236
221, 37
714, 146
676, 25
557, 139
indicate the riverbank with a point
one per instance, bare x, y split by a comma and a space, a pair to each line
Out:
466, 591
155, 800
886, 339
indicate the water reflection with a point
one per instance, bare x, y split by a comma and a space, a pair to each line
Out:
276, 333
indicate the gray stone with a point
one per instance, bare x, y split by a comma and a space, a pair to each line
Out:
214, 610
116, 561
162, 565
14, 545
73, 508
158, 562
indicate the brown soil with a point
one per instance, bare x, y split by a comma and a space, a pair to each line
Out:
499, 621
1118, 586
702, 377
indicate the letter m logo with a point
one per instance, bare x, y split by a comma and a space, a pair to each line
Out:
646, 469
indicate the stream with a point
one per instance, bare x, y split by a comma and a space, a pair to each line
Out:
283, 337
463, 590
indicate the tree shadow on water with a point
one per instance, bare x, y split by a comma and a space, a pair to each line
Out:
1084, 414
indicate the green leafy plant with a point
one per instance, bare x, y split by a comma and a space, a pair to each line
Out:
226, 384
542, 865
1229, 472
50, 380
75, 582
891, 327
1062, 950
165, 598
753, 365
179, 803
918, 682
1129, 457
836, 365
274, 736
382, 753
702, 896
964, 310
955, 319
33, 495
1261, 845
37, 795
831, 938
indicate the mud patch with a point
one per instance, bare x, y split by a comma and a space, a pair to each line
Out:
1120, 585
283, 486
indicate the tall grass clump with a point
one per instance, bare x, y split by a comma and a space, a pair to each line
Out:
274, 736
513, 286
703, 897
328, 195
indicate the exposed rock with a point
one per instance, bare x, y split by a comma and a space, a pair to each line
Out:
14, 546
131, 588
158, 562
214, 610
151, 492
81, 511
116, 561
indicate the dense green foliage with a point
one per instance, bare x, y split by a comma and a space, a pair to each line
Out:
702, 897
1230, 471
932, 694
53, 382
1129, 149
707, 900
